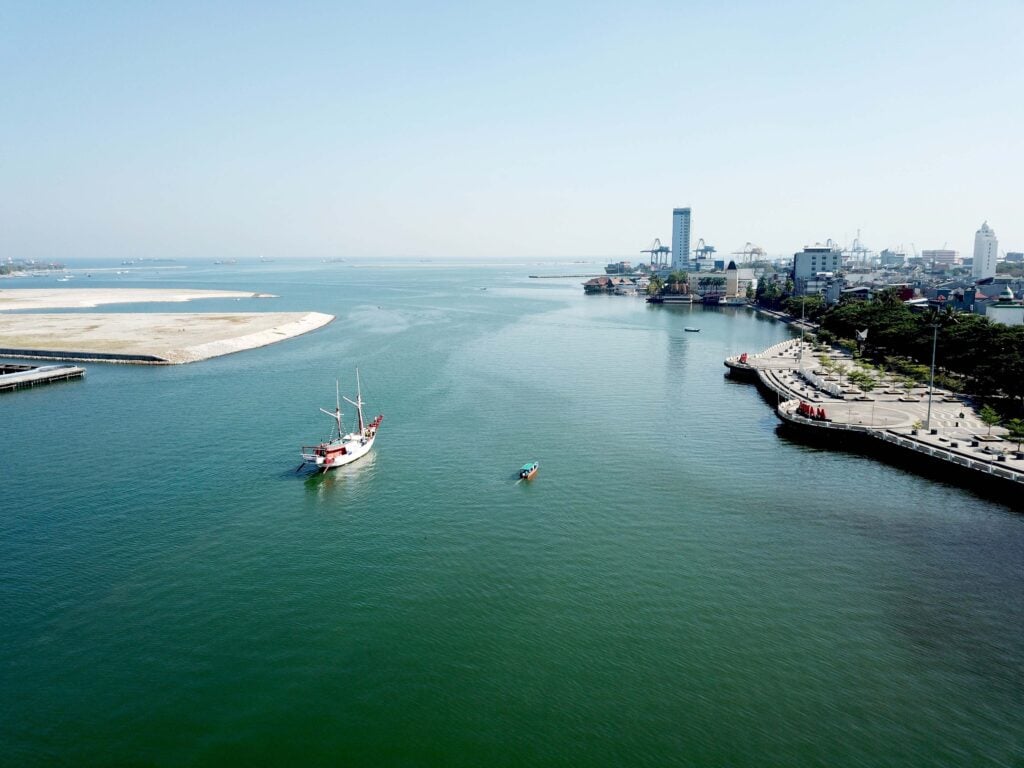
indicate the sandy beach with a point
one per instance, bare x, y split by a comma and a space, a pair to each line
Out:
67, 298
154, 338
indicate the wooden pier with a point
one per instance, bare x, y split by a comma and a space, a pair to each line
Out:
14, 377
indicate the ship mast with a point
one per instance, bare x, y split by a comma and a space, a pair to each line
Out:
336, 415
358, 402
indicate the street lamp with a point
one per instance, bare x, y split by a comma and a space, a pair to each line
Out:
931, 378
800, 353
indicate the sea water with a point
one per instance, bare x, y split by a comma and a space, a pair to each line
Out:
679, 585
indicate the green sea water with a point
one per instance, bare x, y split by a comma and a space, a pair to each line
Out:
679, 585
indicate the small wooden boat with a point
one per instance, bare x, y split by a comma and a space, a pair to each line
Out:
529, 470
692, 330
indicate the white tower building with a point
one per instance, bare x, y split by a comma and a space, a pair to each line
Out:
680, 238
986, 246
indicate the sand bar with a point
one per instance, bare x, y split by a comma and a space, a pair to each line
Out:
69, 298
158, 338
151, 337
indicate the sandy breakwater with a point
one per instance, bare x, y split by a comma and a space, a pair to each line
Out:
68, 298
151, 337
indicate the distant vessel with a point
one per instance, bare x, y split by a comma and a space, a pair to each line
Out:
734, 301
692, 330
529, 470
670, 298
342, 448
619, 268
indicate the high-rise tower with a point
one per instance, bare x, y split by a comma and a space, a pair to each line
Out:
986, 246
680, 238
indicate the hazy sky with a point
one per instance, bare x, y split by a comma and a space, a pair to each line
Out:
533, 129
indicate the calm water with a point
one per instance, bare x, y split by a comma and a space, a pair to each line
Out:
679, 586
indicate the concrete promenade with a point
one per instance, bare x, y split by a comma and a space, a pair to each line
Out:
887, 412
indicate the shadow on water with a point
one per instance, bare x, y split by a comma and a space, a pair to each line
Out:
517, 480
985, 487
952, 476
357, 471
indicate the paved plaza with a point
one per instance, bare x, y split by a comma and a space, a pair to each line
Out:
793, 370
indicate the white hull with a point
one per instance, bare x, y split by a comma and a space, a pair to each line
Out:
355, 448
343, 449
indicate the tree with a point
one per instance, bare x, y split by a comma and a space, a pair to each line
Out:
810, 307
861, 379
1016, 427
655, 285
768, 293
710, 284
677, 282
989, 416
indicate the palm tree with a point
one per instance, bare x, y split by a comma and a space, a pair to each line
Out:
710, 284
677, 282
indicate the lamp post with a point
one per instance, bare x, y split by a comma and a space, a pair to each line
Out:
931, 378
800, 361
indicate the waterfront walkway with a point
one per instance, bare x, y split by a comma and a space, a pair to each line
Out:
893, 413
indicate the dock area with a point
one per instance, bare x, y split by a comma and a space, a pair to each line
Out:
815, 400
14, 377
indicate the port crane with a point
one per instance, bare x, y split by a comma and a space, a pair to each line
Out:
704, 251
659, 254
857, 251
750, 253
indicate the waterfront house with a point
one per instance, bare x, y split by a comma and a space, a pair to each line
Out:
623, 286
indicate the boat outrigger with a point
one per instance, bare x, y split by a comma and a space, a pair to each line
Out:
341, 448
529, 470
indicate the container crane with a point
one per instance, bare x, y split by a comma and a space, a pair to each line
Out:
750, 253
704, 251
659, 254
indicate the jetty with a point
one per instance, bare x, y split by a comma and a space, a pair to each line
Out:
14, 377
887, 419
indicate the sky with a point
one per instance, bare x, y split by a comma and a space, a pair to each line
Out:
538, 130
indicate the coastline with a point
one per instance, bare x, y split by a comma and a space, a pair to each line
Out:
885, 424
71, 298
139, 338
162, 339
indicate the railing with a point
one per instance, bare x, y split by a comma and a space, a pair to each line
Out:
787, 411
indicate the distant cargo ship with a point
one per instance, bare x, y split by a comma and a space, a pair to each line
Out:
619, 268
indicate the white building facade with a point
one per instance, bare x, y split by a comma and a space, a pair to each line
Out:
813, 261
738, 280
939, 258
986, 248
680, 238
